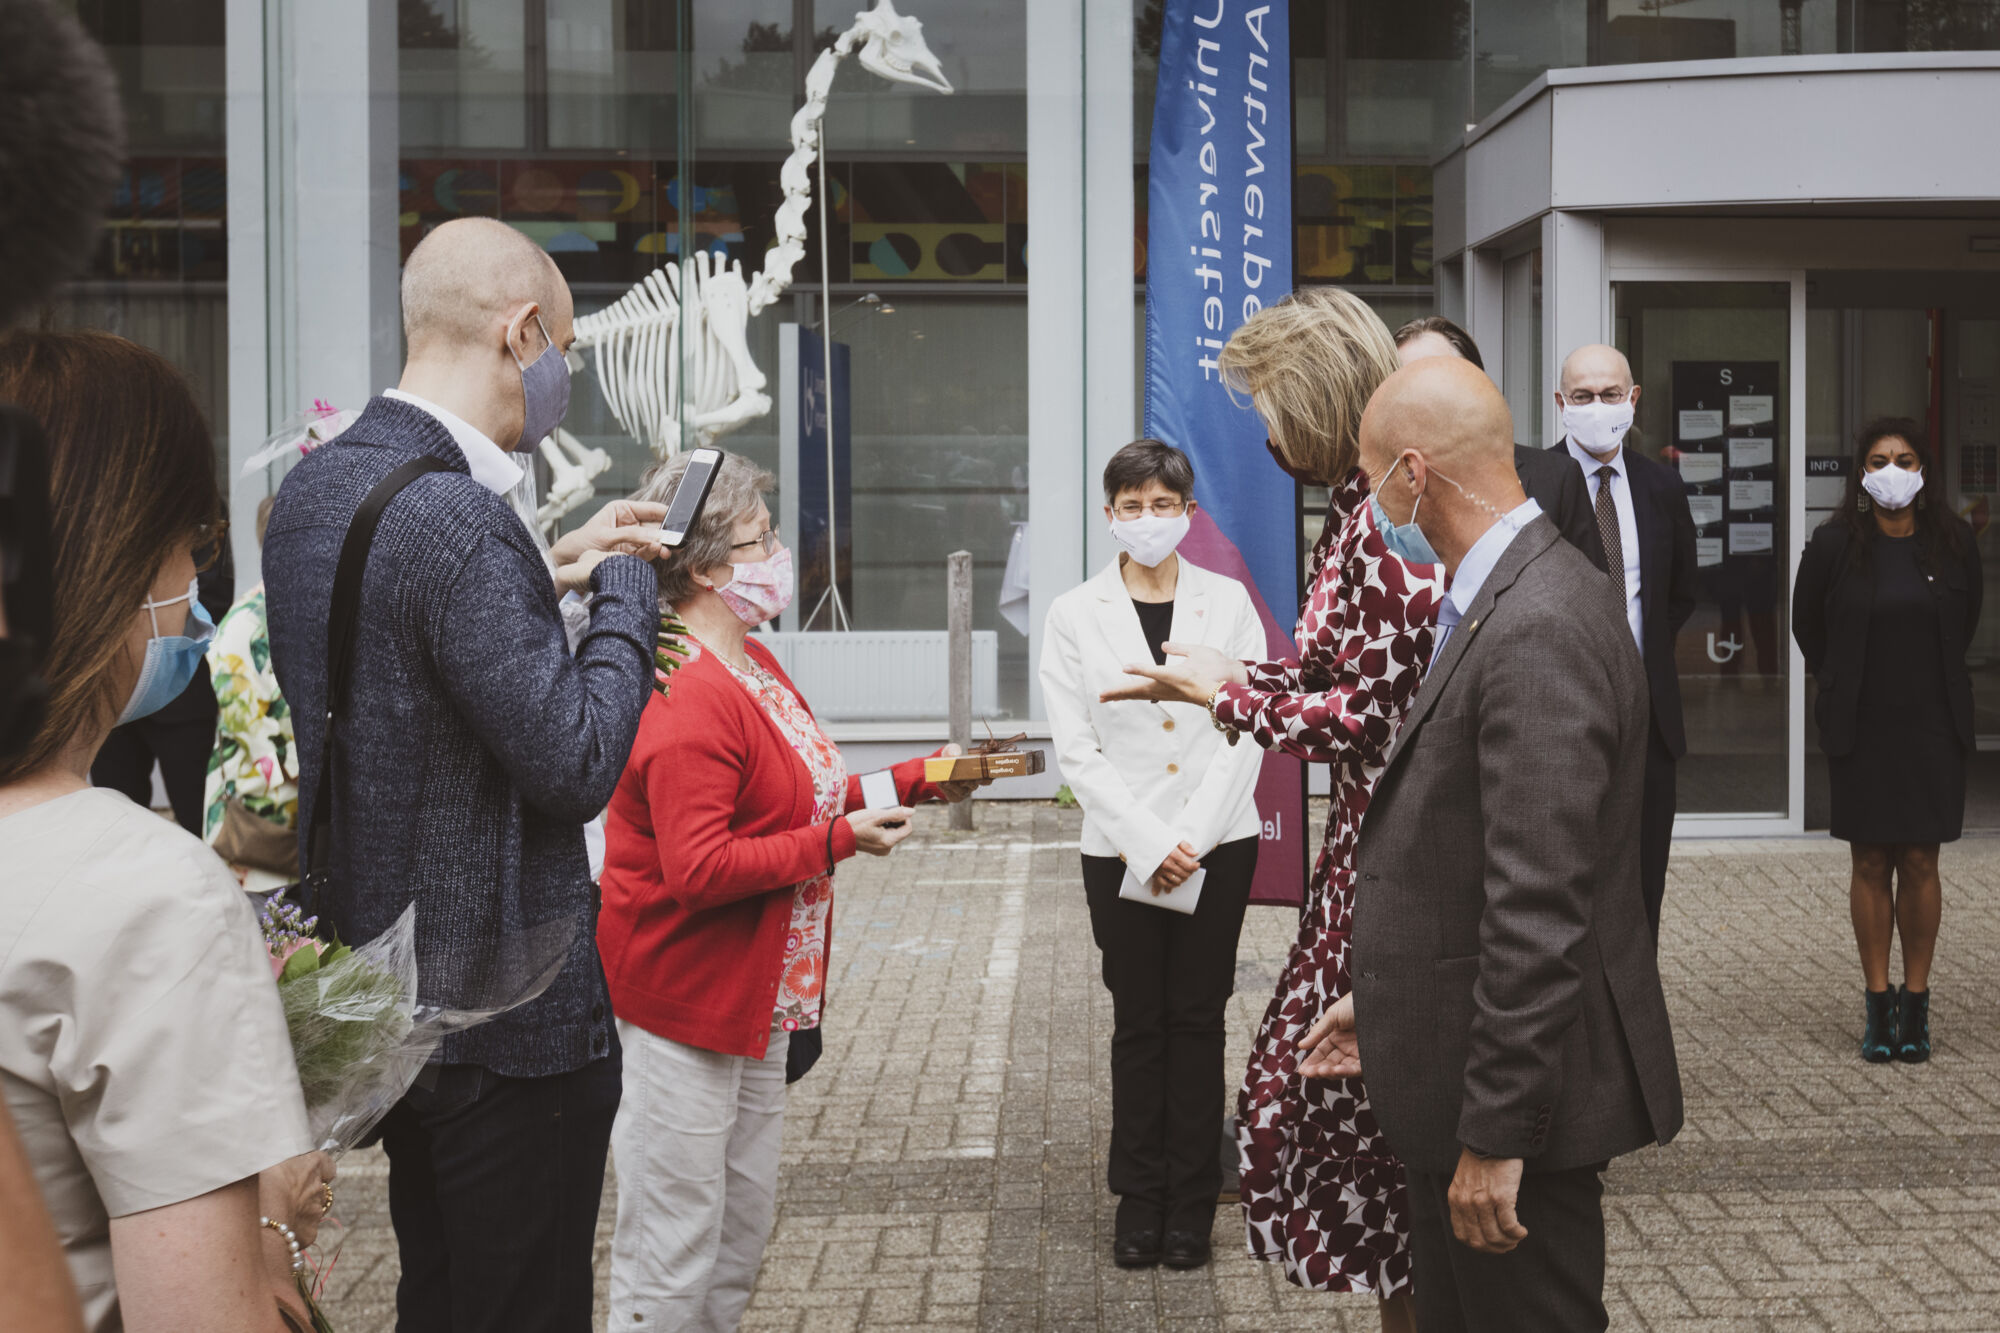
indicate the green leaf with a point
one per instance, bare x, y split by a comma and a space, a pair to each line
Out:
303, 962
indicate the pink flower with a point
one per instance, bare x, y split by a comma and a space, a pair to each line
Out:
291, 947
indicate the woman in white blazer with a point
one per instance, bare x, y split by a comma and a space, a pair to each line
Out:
1163, 793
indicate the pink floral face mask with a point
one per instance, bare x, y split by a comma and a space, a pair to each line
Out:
761, 591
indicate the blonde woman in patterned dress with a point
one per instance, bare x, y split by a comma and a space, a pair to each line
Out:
1322, 1192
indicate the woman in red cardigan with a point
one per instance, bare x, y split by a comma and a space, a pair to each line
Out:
720, 848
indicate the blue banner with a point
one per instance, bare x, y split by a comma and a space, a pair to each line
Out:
1219, 249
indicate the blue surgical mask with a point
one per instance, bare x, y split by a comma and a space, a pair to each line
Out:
1405, 541
544, 392
171, 659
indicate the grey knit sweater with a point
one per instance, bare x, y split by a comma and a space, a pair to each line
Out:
474, 745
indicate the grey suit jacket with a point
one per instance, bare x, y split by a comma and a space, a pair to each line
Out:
1505, 988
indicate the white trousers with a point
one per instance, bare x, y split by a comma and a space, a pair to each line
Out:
696, 1147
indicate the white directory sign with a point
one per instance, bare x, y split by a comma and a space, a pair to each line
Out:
1707, 551
1750, 452
1749, 409
1749, 495
1706, 509
1749, 538
1699, 468
1700, 425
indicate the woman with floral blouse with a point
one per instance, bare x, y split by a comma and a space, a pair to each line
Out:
252, 797
1322, 1192
721, 844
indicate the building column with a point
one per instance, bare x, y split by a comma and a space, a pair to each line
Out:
1574, 300
1485, 307
1083, 361
313, 244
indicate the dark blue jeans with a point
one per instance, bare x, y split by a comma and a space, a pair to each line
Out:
494, 1185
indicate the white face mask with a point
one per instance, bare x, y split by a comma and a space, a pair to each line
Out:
1598, 428
1893, 487
1150, 538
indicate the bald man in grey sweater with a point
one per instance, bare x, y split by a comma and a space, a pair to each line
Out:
472, 747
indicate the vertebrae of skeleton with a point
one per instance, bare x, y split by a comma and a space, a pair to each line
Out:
697, 312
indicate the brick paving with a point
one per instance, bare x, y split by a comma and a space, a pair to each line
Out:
943, 1165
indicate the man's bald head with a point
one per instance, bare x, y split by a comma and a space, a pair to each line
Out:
1595, 366
1447, 423
467, 278
1444, 408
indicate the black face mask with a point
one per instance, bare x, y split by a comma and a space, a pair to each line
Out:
1302, 478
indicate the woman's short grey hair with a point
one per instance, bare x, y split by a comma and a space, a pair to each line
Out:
739, 484
1148, 460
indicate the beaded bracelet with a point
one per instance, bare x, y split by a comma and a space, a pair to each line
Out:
291, 1241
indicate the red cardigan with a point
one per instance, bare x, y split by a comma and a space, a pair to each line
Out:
707, 834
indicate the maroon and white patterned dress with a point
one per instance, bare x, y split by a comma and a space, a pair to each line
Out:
1322, 1192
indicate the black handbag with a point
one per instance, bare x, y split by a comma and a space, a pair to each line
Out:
802, 1054
342, 614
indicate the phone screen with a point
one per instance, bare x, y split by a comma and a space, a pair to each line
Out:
689, 497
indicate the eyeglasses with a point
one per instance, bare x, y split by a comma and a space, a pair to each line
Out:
769, 541
1158, 509
1584, 397
208, 539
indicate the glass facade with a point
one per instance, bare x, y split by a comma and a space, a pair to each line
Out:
623, 135
161, 272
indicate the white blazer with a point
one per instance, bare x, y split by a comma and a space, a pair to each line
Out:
1148, 775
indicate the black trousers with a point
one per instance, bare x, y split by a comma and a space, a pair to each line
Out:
180, 736
1656, 827
494, 1184
1552, 1282
1170, 977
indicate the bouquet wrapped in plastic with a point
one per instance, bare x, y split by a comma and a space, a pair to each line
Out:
300, 434
361, 1034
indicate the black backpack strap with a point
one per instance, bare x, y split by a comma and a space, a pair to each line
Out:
342, 616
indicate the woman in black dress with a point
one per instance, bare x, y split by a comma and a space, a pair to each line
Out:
1886, 602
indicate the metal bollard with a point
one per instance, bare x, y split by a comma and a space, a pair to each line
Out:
958, 599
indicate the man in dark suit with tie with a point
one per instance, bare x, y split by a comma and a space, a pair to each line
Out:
1545, 474
1506, 1005
1642, 516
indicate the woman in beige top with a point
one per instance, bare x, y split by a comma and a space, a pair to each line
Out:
143, 1054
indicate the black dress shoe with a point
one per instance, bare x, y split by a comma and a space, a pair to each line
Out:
1878, 1037
1913, 1027
1186, 1249
1136, 1249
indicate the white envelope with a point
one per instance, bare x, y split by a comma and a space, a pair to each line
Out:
1183, 899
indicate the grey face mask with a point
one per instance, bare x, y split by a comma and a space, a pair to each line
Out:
544, 392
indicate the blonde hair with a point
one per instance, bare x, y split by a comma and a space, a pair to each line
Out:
1310, 363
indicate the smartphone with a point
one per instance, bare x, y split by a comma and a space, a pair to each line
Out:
684, 510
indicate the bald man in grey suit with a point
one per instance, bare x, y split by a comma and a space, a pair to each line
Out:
1506, 1003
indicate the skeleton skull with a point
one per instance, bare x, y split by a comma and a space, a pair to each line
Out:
895, 49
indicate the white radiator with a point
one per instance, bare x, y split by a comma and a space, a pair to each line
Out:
885, 675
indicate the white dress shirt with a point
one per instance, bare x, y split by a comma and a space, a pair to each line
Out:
1477, 564
1628, 527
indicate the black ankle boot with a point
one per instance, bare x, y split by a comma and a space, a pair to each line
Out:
1913, 1026
1878, 1039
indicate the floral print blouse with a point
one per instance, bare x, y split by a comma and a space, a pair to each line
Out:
802, 981
255, 759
